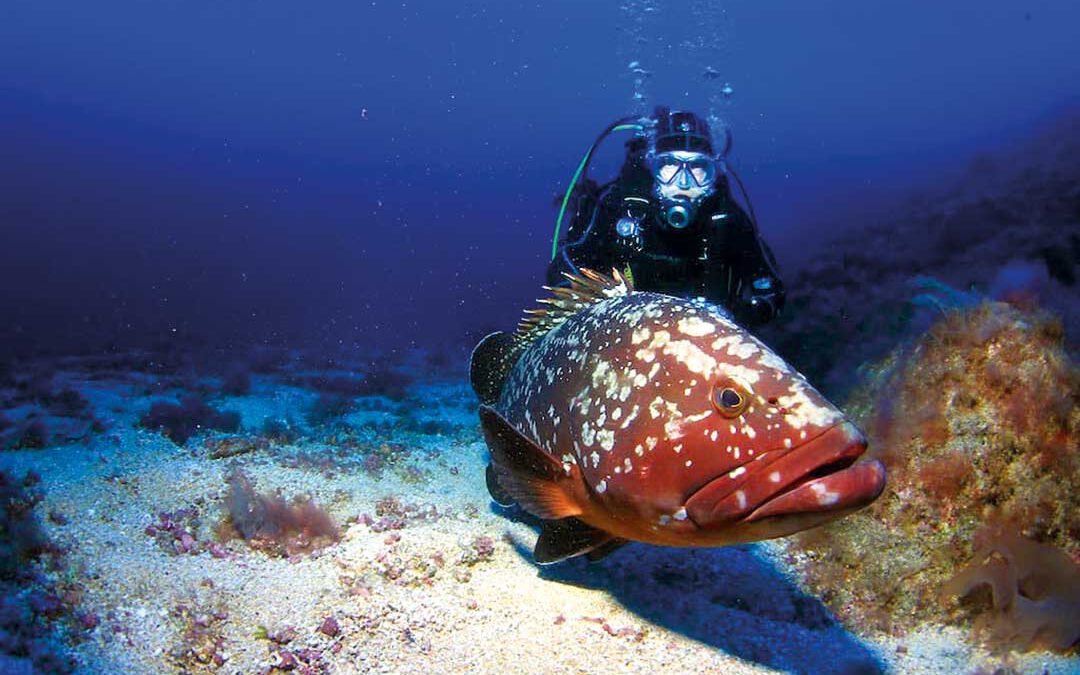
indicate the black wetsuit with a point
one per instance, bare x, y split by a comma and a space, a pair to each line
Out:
719, 256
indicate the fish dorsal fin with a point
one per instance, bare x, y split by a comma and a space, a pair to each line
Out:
541, 484
490, 364
585, 289
497, 353
570, 537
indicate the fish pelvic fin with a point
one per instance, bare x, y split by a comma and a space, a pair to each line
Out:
544, 486
571, 537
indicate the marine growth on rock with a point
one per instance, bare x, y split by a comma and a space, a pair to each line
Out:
978, 423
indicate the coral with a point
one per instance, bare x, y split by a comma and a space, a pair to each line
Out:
391, 514
269, 523
978, 423
480, 549
179, 422
177, 533
1034, 591
200, 641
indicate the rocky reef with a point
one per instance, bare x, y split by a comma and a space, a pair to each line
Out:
1008, 227
978, 422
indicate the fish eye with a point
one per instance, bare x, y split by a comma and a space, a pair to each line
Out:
729, 399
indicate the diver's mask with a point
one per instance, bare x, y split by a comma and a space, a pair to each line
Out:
682, 180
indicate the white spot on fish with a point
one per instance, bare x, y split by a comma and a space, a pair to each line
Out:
601, 487
741, 497
695, 327
588, 435
737, 472
824, 497
774, 477
680, 514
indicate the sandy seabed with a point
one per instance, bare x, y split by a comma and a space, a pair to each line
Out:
407, 588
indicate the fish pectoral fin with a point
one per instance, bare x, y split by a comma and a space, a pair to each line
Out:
570, 537
498, 494
533, 478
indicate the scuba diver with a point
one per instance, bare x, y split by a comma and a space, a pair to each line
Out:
669, 221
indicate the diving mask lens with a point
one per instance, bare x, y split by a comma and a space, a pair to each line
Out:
700, 169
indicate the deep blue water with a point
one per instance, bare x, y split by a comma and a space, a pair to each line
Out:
383, 173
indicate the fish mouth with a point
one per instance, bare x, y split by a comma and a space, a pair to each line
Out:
821, 475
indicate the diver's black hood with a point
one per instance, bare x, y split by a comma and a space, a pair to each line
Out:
681, 130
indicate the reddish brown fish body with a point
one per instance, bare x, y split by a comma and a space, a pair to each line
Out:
660, 420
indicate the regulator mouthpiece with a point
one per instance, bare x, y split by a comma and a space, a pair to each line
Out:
677, 213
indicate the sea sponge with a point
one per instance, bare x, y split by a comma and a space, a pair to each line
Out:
978, 423
1034, 591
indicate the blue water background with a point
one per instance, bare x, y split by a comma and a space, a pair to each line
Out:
382, 174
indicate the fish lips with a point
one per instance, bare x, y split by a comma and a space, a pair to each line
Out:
819, 476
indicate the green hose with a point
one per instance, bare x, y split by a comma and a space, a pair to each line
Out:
577, 176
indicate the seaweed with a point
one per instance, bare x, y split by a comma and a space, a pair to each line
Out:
1034, 592
269, 523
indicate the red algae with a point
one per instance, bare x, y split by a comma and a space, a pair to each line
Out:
978, 423
1034, 591
269, 523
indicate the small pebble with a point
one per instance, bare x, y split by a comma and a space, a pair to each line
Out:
330, 627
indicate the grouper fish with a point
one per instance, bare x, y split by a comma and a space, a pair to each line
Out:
617, 415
